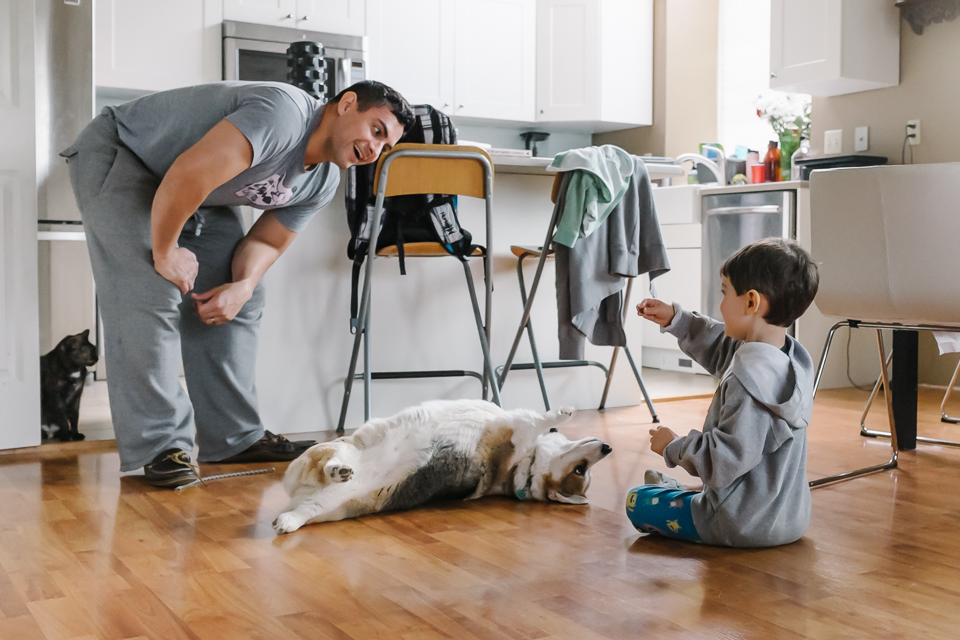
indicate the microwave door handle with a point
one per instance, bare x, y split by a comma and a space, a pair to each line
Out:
343, 73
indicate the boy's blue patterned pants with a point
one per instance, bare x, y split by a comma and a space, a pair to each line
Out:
655, 509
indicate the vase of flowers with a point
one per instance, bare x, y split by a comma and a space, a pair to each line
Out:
789, 116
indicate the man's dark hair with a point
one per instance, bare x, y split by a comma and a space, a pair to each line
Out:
372, 94
779, 269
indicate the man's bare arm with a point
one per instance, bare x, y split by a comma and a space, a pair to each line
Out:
264, 243
222, 154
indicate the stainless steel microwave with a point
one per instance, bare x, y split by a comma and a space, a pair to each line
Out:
258, 52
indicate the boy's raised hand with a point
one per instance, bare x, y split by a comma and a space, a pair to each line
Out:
656, 311
660, 437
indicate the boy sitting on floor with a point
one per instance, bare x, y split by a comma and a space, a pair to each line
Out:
752, 453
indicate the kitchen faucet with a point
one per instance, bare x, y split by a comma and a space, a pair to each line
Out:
718, 168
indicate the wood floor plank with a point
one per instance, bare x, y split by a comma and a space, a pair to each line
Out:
85, 553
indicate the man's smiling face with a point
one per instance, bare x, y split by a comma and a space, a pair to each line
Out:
360, 136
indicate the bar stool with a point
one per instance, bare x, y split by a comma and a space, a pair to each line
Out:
422, 169
524, 252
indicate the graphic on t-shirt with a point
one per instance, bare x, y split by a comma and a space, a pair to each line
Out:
267, 193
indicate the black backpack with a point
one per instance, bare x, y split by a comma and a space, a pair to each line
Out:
413, 218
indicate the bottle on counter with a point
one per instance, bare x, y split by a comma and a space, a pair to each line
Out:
771, 162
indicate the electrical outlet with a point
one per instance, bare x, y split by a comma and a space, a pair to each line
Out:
833, 141
861, 139
915, 130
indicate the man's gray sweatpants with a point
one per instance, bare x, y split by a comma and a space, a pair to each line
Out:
148, 325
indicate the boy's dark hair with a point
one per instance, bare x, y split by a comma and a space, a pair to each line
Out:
781, 270
372, 94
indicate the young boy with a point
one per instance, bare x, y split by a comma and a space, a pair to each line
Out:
752, 453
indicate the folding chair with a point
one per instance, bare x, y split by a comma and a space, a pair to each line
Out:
883, 238
422, 169
525, 323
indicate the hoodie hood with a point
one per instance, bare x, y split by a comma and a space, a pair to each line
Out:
777, 380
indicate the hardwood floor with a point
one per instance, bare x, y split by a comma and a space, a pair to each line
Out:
86, 554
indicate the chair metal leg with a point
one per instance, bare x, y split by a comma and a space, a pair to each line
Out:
871, 433
633, 365
481, 330
890, 464
544, 252
533, 342
943, 410
866, 409
367, 386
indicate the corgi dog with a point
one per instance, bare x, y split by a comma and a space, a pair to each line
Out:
441, 449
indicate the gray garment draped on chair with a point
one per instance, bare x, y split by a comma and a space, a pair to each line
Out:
592, 275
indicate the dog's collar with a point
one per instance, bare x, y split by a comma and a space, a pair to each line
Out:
524, 491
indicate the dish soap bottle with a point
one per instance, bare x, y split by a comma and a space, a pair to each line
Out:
772, 162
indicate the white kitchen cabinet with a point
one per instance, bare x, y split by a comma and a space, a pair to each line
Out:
595, 62
678, 209
469, 58
330, 16
420, 68
494, 59
833, 47
153, 46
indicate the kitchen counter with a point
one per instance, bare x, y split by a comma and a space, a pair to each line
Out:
541, 166
790, 185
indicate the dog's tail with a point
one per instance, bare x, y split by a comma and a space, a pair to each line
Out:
552, 419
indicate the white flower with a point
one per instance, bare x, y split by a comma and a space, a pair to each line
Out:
784, 110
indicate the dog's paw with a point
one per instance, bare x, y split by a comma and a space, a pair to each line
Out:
288, 522
338, 472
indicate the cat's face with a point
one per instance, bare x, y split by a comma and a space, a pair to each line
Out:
78, 351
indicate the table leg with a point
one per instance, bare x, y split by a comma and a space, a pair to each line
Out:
903, 386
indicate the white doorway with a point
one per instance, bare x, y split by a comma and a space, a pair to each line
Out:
19, 339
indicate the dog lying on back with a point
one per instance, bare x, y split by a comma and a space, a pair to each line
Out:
443, 449
63, 373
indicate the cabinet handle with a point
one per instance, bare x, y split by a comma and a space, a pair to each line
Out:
461, 106
446, 104
304, 18
289, 16
773, 75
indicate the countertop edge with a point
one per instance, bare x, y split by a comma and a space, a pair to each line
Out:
790, 185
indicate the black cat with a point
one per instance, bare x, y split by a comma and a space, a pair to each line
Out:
63, 372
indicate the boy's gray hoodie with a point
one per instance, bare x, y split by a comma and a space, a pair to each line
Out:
752, 454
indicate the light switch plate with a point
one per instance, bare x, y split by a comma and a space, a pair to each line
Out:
861, 139
833, 141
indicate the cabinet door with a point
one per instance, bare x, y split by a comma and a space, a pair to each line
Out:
279, 13
332, 16
804, 41
151, 46
421, 67
568, 60
680, 284
494, 60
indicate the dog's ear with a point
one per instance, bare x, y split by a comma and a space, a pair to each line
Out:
556, 496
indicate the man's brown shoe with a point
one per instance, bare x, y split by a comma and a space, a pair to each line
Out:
271, 448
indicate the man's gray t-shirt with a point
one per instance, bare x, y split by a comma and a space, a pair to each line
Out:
276, 118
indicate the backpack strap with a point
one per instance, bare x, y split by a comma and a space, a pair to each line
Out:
355, 282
